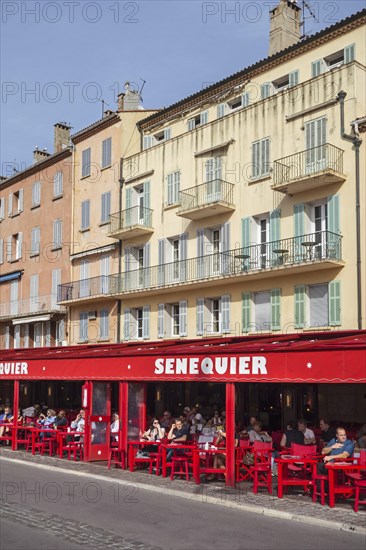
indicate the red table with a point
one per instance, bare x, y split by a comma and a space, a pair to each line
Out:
285, 480
340, 488
175, 446
133, 447
207, 468
62, 434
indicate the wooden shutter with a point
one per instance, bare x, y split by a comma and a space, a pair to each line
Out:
128, 206
191, 124
317, 68
21, 199
299, 303
204, 118
127, 322
333, 214
146, 322
245, 99
293, 79
19, 250
10, 205
221, 110
2, 208
56, 280
167, 133
275, 309
183, 318
334, 289
246, 303
199, 316
349, 53
161, 312
225, 313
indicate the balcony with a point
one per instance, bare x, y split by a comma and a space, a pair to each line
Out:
208, 199
310, 252
131, 223
39, 305
308, 169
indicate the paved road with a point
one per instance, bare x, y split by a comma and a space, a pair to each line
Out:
48, 509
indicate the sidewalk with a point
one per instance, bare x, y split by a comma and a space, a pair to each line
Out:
295, 506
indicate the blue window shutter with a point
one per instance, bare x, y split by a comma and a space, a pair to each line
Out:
299, 303
275, 309
334, 303
204, 118
333, 214
225, 312
147, 142
246, 303
161, 313
317, 68
167, 133
349, 53
245, 99
299, 220
191, 124
199, 316
127, 320
221, 110
293, 78
275, 225
146, 322
266, 90
183, 318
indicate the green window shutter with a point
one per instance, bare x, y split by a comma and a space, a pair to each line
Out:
299, 219
245, 99
146, 212
246, 302
293, 78
245, 232
334, 303
221, 110
128, 205
191, 124
274, 225
349, 53
333, 214
299, 297
316, 68
275, 309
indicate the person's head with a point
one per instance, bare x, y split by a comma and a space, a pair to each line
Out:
257, 427
50, 412
61, 413
115, 416
341, 435
253, 420
291, 425
82, 413
216, 414
186, 411
301, 425
178, 423
323, 424
155, 423
167, 415
37, 407
194, 410
7, 409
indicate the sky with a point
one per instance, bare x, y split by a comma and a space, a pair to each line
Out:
60, 58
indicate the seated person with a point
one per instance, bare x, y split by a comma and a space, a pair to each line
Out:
292, 435
361, 438
216, 420
309, 437
166, 420
154, 433
78, 425
177, 434
60, 420
256, 434
328, 432
5, 418
47, 420
339, 447
114, 427
220, 459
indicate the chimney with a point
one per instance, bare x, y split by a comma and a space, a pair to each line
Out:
129, 100
61, 136
285, 26
39, 155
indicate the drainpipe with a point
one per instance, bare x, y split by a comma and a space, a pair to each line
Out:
356, 141
119, 302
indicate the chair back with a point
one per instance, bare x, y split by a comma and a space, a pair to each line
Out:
362, 458
262, 453
244, 443
261, 446
303, 450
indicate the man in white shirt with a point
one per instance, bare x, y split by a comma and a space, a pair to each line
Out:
79, 423
309, 437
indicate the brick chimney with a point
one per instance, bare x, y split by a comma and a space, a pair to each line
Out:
285, 26
61, 137
129, 100
39, 155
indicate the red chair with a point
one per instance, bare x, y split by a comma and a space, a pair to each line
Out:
261, 471
361, 460
301, 451
117, 456
242, 470
360, 485
319, 482
181, 464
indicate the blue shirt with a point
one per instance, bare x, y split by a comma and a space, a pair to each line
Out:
347, 447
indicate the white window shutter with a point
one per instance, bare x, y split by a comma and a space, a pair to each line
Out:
10, 205
204, 117
221, 110
183, 318
225, 310
2, 208
199, 316
19, 246
167, 133
146, 322
161, 312
1, 251
127, 320
191, 124
9, 248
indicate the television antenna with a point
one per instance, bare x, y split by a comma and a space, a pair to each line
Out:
306, 5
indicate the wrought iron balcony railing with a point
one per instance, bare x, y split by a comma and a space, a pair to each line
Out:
137, 215
205, 194
308, 163
310, 248
29, 306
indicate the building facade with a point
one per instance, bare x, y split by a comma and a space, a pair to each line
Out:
244, 212
35, 239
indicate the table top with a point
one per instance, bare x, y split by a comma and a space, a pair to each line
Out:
288, 459
210, 451
280, 251
143, 442
309, 243
344, 466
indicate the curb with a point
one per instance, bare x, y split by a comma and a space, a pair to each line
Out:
269, 512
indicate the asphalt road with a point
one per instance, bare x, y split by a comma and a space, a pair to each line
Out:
46, 509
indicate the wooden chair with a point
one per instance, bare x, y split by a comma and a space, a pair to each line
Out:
261, 470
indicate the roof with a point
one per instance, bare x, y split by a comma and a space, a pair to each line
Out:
266, 63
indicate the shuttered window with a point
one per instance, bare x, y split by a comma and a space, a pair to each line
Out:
85, 215
2, 208
225, 312
58, 184
318, 301
183, 318
161, 313
105, 207
293, 79
57, 234
334, 289
36, 194
104, 324
260, 158
83, 326
349, 53
173, 183
199, 316
221, 110
317, 68
1, 251
146, 322
262, 310
266, 90
14, 305
299, 305
56, 280
106, 152
35, 241
85, 162
34, 285
127, 323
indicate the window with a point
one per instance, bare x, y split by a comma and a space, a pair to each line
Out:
260, 158
172, 319
104, 324
105, 207
198, 120
7, 337
318, 305
2, 208
234, 104
106, 152
85, 215
38, 335
56, 280
137, 323
14, 247
17, 336
334, 60
266, 90
85, 163
60, 332
173, 182
33, 294
58, 184
83, 326
15, 203
57, 234
36, 194
213, 315
316, 138
35, 241
84, 278
287, 81
14, 304
159, 137
261, 311
1, 251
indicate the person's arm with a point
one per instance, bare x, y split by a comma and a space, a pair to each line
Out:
170, 434
331, 445
74, 423
283, 441
345, 454
181, 438
161, 432
267, 437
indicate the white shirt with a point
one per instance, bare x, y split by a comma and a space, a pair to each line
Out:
309, 434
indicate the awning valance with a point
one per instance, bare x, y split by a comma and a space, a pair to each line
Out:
10, 276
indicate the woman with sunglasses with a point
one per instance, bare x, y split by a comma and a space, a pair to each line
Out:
154, 433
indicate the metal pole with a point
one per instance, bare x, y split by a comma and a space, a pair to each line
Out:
230, 434
14, 444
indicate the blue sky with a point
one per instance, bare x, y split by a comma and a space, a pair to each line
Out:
59, 57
